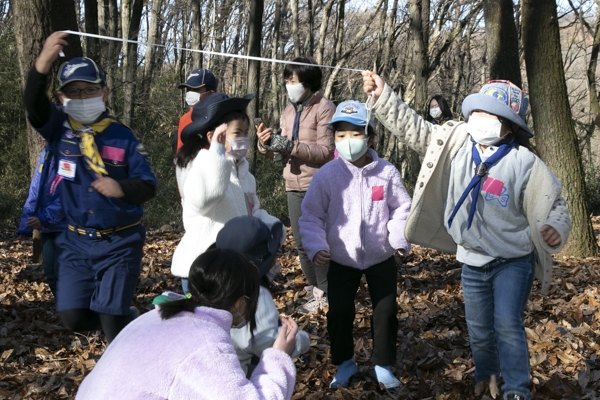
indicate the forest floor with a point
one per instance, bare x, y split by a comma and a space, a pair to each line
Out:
41, 360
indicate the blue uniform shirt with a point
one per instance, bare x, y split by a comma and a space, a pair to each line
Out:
124, 158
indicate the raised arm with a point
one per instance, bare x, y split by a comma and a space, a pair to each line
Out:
397, 117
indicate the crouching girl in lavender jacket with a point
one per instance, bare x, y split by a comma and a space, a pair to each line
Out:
353, 217
183, 349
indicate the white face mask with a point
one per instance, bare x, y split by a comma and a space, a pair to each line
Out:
351, 149
485, 131
435, 112
238, 147
192, 98
85, 111
295, 92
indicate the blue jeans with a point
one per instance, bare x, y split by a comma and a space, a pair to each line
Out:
495, 297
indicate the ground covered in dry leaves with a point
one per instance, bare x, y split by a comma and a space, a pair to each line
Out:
41, 360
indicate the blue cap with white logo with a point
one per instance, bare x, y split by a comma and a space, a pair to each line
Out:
352, 111
81, 69
198, 78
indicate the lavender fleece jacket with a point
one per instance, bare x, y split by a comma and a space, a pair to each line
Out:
356, 214
189, 356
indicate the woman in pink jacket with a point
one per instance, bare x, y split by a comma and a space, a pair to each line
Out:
304, 144
183, 349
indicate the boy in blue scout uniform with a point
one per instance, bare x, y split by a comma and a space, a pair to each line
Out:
103, 177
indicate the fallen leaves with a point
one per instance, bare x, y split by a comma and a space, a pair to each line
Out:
41, 360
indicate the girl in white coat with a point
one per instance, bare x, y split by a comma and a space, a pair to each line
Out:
213, 176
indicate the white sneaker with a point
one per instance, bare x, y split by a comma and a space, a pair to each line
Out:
317, 303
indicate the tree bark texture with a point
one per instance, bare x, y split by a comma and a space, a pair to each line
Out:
34, 21
502, 41
253, 84
91, 26
131, 15
153, 35
555, 133
295, 28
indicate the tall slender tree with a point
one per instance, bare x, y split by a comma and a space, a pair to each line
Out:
34, 21
502, 41
555, 134
253, 85
131, 15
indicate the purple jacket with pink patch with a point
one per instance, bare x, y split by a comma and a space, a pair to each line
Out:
356, 214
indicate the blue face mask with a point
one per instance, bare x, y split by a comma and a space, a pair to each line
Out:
351, 149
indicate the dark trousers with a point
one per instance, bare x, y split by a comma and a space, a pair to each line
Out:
315, 276
50, 252
344, 282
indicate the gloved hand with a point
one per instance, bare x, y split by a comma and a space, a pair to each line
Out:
280, 144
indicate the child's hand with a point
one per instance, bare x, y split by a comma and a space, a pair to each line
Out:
220, 134
550, 235
53, 45
263, 133
33, 223
321, 258
372, 82
108, 187
286, 339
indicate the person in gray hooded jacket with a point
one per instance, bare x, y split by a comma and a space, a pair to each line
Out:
483, 194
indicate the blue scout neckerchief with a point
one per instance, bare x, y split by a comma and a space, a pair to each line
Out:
299, 108
480, 171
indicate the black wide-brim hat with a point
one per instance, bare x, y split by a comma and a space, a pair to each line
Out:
209, 111
253, 238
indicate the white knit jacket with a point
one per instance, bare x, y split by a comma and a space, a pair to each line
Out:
213, 191
438, 144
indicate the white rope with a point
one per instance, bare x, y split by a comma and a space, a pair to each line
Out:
214, 53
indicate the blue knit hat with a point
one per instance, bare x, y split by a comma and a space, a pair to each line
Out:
353, 112
253, 238
501, 98
80, 69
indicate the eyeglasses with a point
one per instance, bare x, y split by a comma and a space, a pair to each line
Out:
88, 91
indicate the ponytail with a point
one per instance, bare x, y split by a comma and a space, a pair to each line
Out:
171, 308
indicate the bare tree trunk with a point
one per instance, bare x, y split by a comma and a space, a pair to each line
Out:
295, 32
381, 38
276, 75
339, 31
389, 40
91, 26
418, 43
131, 15
323, 30
34, 21
196, 32
150, 59
108, 21
502, 41
311, 28
555, 133
254, 39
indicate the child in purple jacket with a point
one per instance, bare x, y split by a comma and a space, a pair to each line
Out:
43, 211
353, 218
